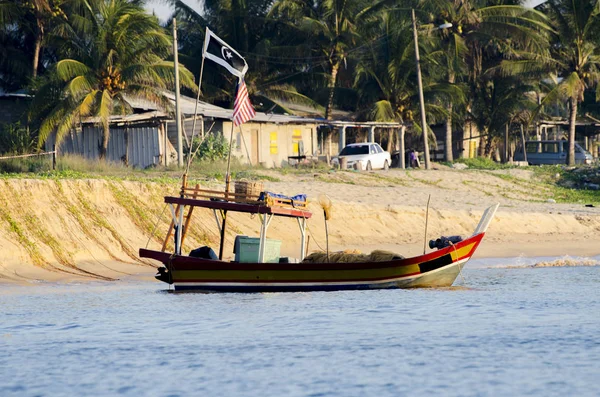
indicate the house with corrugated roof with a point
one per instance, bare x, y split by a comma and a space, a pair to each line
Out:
149, 136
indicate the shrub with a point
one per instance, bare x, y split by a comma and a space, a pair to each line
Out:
483, 163
16, 139
214, 147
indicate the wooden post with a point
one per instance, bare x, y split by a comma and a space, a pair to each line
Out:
170, 231
402, 148
222, 235
523, 143
189, 215
177, 98
506, 143
53, 157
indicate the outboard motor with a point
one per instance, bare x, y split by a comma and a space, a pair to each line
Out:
444, 242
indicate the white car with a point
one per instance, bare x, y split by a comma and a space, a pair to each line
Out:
370, 155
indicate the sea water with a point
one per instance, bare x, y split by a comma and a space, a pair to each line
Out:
502, 331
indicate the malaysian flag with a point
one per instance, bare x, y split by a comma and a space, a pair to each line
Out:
242, 110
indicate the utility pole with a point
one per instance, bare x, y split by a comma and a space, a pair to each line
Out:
177, 99
421, 99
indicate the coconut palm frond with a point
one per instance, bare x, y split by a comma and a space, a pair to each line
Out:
531, 67
50, 123
105, 107
290, 94
382, 111
69, 68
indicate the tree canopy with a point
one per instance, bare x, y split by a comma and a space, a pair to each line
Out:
492, 62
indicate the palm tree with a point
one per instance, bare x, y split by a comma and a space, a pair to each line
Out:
385, 76
476, 26
325, 30
22, 26
267, 80
31, 19
575, 56
117, 52
573, 59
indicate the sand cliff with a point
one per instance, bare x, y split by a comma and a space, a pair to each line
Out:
76, 229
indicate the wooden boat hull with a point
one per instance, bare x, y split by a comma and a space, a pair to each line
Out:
435, 269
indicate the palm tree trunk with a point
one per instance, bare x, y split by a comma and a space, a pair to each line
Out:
335, 67
523, 143
482, 142
105, 136
506, 143
390, 144
448, 142
37, 49
572, 120
489, 148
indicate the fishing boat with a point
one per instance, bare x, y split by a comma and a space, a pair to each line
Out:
256, 269
209, 273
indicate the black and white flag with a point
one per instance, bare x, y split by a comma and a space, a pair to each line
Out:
220, 52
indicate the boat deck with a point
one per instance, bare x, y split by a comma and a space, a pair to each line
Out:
250, 208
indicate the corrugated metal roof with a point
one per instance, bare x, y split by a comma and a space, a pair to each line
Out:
130, 118
188, 108
16, 94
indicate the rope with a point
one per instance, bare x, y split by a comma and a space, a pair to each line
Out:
26, 155
156, 225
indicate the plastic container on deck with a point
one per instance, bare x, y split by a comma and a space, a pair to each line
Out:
246, 249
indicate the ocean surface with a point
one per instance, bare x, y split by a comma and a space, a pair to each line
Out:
506, 329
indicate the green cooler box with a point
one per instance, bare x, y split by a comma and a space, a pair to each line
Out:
246, 249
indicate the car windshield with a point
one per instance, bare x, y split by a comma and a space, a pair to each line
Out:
352, 150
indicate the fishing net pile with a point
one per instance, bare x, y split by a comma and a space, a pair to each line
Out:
352, 256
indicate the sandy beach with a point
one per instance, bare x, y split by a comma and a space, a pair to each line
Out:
78, 230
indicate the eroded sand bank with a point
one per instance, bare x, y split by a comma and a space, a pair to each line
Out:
65, 230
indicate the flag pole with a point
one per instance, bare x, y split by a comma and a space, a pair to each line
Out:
227, 174
177, 99
196, 109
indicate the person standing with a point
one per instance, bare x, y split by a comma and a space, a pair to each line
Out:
414, 159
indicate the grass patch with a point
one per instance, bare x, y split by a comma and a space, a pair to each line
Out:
387, 179
435, 183
482, 163
100, 221
34, 226
15, 228
135, 209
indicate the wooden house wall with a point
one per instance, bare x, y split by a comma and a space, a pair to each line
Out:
269, 144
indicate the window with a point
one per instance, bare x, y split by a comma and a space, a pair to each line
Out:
373, 150
353, 150
378, 148
550, 147
532, 147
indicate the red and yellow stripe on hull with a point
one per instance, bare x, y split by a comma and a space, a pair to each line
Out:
436, 269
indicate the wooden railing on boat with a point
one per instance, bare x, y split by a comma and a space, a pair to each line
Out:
216, 199
196, 192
